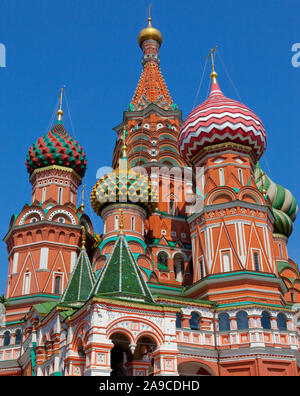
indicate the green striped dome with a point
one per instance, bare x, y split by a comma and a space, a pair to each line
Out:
284, 204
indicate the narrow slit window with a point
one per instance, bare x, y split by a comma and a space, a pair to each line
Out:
256, 261
241, 177
60, 196
57, 285
221, 177
116, 223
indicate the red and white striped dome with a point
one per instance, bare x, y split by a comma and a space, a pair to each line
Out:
221, 120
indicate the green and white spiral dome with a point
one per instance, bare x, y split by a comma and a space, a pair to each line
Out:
284, 204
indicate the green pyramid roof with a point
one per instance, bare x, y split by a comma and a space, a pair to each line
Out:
81, 281
121, 277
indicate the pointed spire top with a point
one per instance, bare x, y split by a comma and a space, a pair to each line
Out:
60, 112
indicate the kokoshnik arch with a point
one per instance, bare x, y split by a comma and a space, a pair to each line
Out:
161, 292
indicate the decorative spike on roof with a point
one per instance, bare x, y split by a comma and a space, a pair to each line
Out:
121, 276
81, 282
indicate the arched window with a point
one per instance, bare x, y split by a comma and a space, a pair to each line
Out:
265, 320
178, 267
281, 322
18, 337
224, 322
242, 320
194, 321
57, 285
162, 259
172, 207
178, 320
6, 341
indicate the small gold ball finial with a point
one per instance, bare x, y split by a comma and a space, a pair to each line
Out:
214, 76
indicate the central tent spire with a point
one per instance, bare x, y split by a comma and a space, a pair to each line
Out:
151, 87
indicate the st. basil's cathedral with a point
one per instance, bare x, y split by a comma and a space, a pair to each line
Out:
191, 275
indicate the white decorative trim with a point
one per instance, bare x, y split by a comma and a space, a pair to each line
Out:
65, 212
27, 214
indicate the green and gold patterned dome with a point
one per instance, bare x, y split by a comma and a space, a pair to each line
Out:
284, 204
124, 186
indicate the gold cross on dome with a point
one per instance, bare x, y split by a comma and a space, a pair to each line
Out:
261, 177
60, 112
212, 55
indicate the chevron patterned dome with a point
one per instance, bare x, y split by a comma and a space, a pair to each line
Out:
221, 120
123, 186
284, 204
56, 147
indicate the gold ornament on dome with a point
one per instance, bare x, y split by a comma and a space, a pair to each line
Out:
150, 33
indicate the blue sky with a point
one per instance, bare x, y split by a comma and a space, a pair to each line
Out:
91, 46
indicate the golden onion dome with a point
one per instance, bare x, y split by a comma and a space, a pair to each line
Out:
150, 33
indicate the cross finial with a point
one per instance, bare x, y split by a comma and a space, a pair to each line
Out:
60, 112
211, 55
149, 18
261, 177
121, 221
